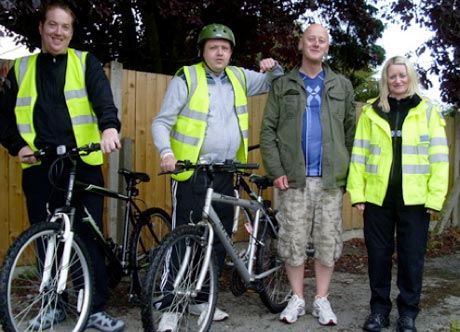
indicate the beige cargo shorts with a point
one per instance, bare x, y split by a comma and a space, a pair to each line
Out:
310, 215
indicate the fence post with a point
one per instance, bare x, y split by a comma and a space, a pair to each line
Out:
116, 83
126, 161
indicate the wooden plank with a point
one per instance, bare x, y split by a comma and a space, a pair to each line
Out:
128, 109
160, 185
17, 215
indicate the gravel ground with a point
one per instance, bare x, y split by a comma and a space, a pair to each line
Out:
349, 297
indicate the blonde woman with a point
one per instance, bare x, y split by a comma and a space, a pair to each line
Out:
398, 177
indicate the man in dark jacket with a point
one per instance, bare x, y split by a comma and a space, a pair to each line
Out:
61, 96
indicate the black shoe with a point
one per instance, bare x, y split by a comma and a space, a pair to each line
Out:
405, 324
375, 322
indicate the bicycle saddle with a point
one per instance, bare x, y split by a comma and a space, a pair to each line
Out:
143, 177
260, 181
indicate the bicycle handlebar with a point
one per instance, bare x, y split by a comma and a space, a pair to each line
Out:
254, 147
230, 166
64, 151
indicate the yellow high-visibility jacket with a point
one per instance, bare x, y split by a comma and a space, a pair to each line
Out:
424, 159
187, 135
84, 120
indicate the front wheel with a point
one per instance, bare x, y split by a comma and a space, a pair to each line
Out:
275, 287
27, 303
153, 225
170, 300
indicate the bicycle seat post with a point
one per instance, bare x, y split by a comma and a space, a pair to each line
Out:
131, 190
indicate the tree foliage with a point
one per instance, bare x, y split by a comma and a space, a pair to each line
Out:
160, 35
442, 17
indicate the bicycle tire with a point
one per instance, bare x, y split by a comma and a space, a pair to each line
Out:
161, 298
275, 289
153, 225
23, 305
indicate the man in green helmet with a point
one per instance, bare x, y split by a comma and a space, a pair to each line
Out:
211, 99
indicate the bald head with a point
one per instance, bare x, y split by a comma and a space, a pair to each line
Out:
318, 30
314, 43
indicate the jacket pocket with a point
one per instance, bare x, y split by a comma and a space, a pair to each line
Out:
290, 105
337, 104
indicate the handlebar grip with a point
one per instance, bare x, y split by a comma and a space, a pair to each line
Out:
93, 147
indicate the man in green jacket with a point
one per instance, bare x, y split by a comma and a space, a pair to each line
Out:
306, 140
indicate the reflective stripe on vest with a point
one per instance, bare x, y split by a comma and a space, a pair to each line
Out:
82, 116
187, 135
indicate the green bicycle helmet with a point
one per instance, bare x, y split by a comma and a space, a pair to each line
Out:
216, 31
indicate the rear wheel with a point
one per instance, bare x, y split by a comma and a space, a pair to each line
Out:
26, 301
154, 224
275, 287
170, 301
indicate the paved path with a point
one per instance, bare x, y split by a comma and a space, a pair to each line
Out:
349, 298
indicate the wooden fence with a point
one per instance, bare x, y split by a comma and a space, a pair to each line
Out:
139, 96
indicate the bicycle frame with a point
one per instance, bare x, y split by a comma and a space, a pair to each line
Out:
215, 226
130, 209
67, 215
240, 185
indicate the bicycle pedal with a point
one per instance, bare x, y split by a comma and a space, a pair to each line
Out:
255, 287
134, 299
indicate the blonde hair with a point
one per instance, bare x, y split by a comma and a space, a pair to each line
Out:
383, 85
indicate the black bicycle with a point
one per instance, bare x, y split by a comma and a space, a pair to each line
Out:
46, 280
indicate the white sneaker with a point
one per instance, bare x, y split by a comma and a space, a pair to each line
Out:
294, 309
168, 322
199, 309
50, 317
322, 309
103, 322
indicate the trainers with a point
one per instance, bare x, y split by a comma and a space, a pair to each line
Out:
200, 309
294, 309
103, 322
168, 322
50, 317
323, 311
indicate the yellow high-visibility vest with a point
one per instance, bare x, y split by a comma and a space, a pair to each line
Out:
187, 135
424, 158
84, 120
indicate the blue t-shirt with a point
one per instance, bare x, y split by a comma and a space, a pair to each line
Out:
312, 143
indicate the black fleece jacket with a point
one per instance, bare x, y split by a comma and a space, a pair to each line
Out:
51, 117
398, 112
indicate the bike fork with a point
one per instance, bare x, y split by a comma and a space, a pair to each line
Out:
67, 238
187, 261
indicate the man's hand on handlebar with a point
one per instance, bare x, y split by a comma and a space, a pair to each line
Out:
168, 163
110, 141
26, 155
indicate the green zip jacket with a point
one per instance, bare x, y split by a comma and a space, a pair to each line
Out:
280, 136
